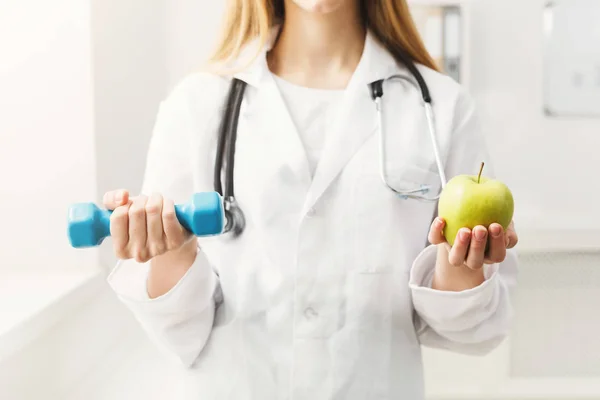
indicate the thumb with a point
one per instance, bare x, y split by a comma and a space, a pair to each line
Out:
436, 235
115, 198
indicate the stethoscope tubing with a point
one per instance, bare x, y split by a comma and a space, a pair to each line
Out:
225, 155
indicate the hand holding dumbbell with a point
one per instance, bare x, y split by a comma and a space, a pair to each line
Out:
144, 227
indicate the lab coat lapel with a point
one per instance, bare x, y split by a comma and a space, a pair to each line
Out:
269, 120
279, 131
355, 120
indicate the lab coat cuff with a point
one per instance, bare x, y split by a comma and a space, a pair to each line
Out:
446, 309
193, 292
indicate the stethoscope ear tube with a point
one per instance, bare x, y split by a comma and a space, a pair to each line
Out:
225, 155
376, 92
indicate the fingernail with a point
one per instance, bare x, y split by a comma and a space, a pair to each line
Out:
479, 234
119, 196
439, 222
496, 230
464, 235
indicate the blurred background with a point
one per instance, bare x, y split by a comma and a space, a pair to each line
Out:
80, 83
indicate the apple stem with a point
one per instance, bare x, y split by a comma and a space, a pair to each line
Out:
480, 171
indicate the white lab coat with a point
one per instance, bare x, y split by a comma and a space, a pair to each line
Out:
327, 293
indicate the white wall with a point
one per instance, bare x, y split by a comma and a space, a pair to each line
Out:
192, 27
47, 158
130, 79
141, 51
129, 50
550, 163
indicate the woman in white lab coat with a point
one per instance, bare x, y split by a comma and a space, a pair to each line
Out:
335, 283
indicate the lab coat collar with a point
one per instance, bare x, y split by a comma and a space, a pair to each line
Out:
354, 124
375, 63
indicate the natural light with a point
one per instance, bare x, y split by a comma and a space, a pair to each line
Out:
314, 280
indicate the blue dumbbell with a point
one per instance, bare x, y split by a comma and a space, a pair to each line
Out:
89, 225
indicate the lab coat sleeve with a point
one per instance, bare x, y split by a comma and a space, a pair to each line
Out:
477, 320
180, 321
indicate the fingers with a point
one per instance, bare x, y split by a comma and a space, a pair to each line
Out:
119, 230
155, 235
511, 236
497, 249
476, 254
458, 253
436, 232
143, 227
115, 198
478, 247
138, 230
511, 240
174, 232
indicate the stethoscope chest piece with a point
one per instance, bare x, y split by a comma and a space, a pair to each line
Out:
236, 222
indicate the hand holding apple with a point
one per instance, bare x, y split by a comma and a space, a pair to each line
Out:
475, 221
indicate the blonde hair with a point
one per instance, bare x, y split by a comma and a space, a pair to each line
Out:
390, 22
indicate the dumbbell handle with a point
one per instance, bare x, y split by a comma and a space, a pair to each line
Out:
88, 225
102, 222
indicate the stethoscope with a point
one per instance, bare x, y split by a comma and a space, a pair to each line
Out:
228, 131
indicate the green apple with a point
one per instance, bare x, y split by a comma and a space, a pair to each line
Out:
471, 200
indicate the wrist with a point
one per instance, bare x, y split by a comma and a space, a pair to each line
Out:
168, 269
448, 277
